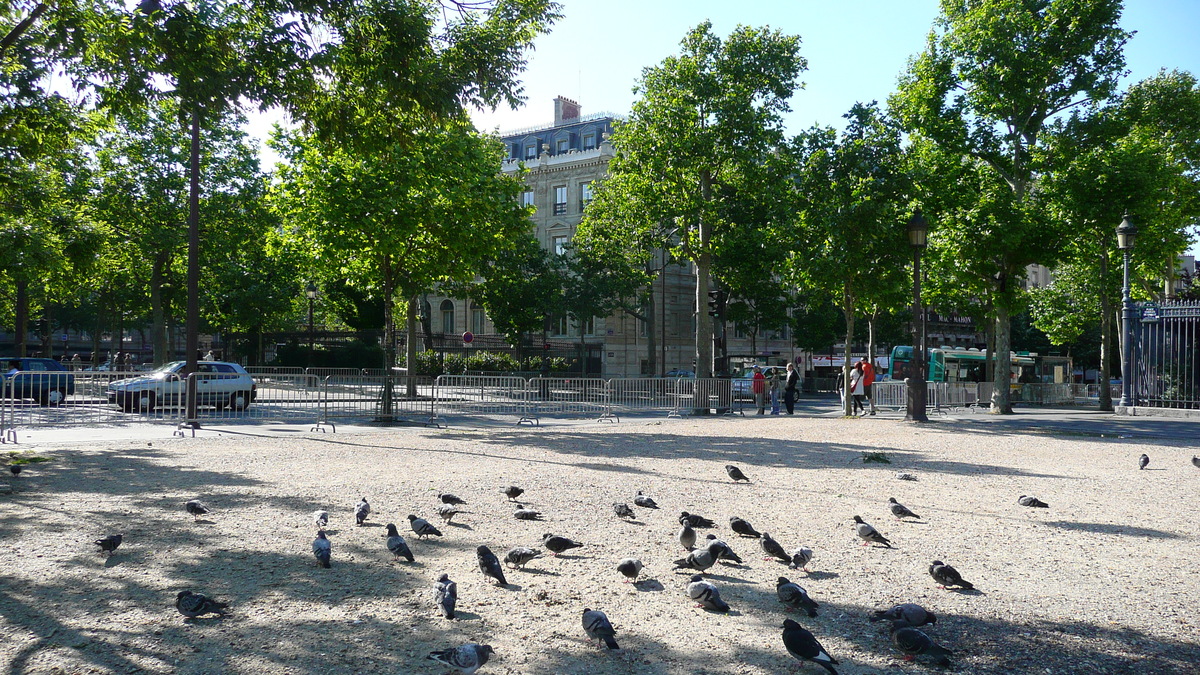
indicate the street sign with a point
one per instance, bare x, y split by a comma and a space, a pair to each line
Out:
468, 337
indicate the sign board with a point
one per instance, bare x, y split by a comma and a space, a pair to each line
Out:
468, 337
1150, 313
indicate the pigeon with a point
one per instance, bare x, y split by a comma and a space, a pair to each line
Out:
445, 595
1195, 461
598, 627
694, 520
793, 596
1025, 500
900, 511
447, 512
520, 556
523, 513
726, 553
773, 549
648, 503
904, 475
946, 575
14, 469
623, 510
735, 473
322, 549
321, 519
361, 512
742, 527
451, 499
630, 567
466, 658
700, 560
801, 558
512, 492
912, 642
1143, 461
196, 508
489, 564
907, 614
109, 544
868, 534
397, 545
802, 645
556, 544
705, 594
687, 537
422, 528
193, 605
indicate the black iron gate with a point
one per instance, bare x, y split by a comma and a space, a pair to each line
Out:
1167, 355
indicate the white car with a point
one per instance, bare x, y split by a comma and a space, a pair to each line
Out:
218, 384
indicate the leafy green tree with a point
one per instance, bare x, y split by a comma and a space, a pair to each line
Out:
521, 287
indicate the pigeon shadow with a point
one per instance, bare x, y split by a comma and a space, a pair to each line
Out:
634, 522
966, 591
203, 521
539, 572
726, 578
462, 525
649, 586
114, 561
819, 575
465, 616
1108, 528
204, 620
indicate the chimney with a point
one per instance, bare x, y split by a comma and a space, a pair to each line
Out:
565, 111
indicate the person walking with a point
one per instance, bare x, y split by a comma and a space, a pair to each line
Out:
758, 385
868, 380
774, 380
789, 388
856, 390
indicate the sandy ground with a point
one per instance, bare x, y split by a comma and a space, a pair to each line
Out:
1102, 582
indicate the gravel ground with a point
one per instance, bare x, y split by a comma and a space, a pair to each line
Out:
1104, 581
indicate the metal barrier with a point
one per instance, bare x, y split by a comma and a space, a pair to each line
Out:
566, 396
275, 370
953, 396
650, 394
489, 396
890, 394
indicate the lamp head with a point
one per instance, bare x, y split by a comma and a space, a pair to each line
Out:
1126, 233
918, 230
311, 291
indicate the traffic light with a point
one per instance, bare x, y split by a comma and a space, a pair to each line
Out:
716, 302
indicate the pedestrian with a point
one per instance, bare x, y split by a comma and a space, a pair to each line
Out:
868, 380
856, 389
789, 388
758, 385
774, 380
76, 363
209, 356
128, 361
14, 367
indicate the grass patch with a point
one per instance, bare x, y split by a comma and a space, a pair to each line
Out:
876, 457
15, 457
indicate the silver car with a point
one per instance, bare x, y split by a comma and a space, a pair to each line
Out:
218, 384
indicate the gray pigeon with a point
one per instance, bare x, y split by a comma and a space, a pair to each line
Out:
14, 469
523, 513
801, 557
556, 544
109, 544
361, 512
520, 556
702, 559
397, 545
622, 510
196, 508
489, 564
1195, 461
320, 519
947, 576
804, 646
793, 596
868, 534
467, 658
193, 605
1026, 500
322, 549
773, 549
706, 595
694, 520
445, 595
630, 568
735, 473
447, 512
726, 552
687, 537
451, 499
899, 510
598, 627
512, 492
907, 614
904, 475
1143, 461
422, 528
913, 642
644, 501
742, 527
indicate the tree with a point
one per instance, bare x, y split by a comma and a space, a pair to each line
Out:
520, 286
993, 73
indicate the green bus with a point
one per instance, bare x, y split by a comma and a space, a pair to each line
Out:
970, 365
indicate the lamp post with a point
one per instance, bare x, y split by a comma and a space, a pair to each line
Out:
311, 292
1126, 232
918, 231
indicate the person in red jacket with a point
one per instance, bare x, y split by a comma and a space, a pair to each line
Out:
758, 385
868, 380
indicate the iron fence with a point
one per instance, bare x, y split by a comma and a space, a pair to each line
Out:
1167, 355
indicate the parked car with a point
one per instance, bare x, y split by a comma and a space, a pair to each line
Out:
680, 373
218, 384
44, 380
741, 382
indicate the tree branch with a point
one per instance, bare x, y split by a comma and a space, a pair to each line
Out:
20, 28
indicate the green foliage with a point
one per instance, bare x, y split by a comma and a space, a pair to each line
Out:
432, 364
875, 457
521, 286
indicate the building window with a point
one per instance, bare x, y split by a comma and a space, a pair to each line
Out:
527, 198
478, 318
560, 200
739, 331
560, 327
558, 244
589, 141
585, 195
562, 145
531, 151
589, 326
447, 316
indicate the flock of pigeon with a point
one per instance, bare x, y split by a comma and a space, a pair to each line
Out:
906, 619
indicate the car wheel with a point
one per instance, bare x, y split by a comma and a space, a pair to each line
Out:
144, 403
53, 397
239, 400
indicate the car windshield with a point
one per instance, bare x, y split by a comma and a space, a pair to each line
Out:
167, 368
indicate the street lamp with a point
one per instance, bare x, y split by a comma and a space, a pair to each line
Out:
918, 231
311, 292
1126, 233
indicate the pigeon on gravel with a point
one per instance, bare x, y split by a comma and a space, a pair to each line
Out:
109, 544
705, 594
947, 576
320, 519
467, 659
742, 527
644, 501
195, 507
907, 614
447, 512
322, 549
687, 537
1143, 461
694, 520
735, 473
801, 557
804, 646
556, 544
726, 552
773, 549
622, 510
523, 513
193, 605
422, 528
489, 564
700, 560
512, 492
14, 469
900, 511
904, 475
631, 568
793, 596
445, 595
598, 627
361, 512
451, 499
397, 545
520, 556
912, 642
869, 534
1026, 500
1195, 461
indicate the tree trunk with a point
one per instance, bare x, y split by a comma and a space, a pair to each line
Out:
848, 313
1106, 339
1001, 404
158, 316
412, 313
703, 260
47, 333
21, 329
651, 328
389, 343
193, 266
427, 324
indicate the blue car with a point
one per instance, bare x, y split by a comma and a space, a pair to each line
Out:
44, 380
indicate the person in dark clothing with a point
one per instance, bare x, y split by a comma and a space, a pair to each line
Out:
789, 388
